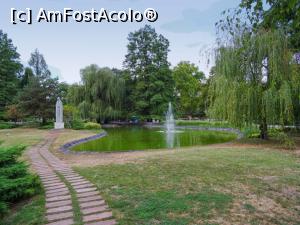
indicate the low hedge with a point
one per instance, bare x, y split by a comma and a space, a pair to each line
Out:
92, 126
81, 125
4, 125
16, 183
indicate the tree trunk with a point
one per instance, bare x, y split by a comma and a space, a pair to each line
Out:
44, 120
264, 130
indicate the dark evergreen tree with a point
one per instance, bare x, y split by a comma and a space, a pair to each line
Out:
28, 74
10, 68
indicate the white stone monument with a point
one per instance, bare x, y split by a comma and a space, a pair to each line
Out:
59, 124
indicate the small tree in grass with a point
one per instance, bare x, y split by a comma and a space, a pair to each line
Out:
39, 95
256, 82
13, 113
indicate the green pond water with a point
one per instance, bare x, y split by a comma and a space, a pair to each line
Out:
140, 138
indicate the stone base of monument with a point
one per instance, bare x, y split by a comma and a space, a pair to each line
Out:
59, 125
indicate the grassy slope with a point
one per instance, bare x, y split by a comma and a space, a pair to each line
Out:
210, 186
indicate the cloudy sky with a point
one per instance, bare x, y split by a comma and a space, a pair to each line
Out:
68, 47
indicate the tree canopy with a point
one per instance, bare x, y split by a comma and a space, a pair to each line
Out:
253, 15
100, 96
149, 73
10, 69
256, 81
189, 85
39, 95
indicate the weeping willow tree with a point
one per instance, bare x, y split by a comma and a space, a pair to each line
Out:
256, 82
100, 96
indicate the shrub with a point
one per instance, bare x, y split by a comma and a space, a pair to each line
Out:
77, 124
286, 141
47, 126
4, 125
203, 123
92, 126
251, 132
16, 182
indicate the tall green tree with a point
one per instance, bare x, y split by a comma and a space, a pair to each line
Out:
38, 65
256, 81
279, 14
253, 15
150, 76
189, 85
28, 74
10, 68
38, 97
100, 97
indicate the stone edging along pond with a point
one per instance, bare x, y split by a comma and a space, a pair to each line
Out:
66, 148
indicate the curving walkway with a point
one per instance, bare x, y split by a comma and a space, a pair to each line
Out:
68, 195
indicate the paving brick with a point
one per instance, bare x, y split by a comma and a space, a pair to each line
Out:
59, 203
57, 190
91, 204
62, 222
53, 184
72, 176
86, 194
66, 171
59, 216
83, 186
58, 198
75, 180
49, 177
105, 222
96, 209
55, 187
79, 182
56, 194
60, 209
51, 181
83, 190
97, 216
90, 198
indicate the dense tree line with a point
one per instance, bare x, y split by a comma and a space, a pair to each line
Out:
26, 92
143, 88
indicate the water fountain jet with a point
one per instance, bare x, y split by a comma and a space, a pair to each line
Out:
170, 122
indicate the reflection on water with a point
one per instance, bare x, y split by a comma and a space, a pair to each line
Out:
170, 138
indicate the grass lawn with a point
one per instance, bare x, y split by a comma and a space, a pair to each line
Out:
22, 136
29, 212
205, 186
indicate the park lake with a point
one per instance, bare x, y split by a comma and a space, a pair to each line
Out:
142, 138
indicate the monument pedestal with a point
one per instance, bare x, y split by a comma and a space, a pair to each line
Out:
59, 125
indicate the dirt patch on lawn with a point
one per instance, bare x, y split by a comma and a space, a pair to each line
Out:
252, 208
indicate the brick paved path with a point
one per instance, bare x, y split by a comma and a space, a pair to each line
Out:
57, 178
